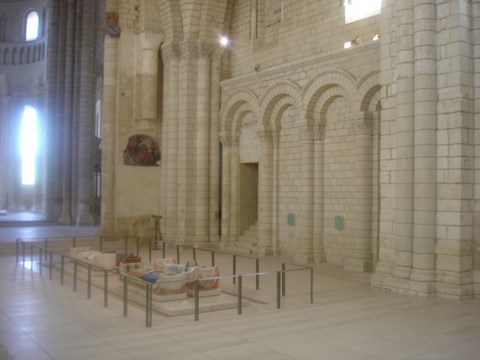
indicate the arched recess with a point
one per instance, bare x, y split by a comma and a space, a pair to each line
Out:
238, 105
330, 99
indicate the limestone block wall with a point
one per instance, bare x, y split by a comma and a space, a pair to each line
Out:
309, 97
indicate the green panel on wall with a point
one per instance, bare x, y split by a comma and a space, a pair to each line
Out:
339, 222
291, 219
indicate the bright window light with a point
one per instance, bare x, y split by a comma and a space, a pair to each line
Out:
360, 9
31, 32
28, 145
224, 41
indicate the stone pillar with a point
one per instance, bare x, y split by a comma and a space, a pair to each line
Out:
4, 145
202, 155
86, 110
265, 191
305, 254
425, 146
318, 196
110, 84
226, 191
169, 170
150, 43
214, 160
404, 142
361, 259
234, 189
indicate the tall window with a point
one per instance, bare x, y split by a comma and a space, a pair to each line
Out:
28, 134
361, 9
31, 28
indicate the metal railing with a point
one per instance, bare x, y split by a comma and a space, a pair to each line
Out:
47, 252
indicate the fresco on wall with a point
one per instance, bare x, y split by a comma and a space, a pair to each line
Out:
141, 150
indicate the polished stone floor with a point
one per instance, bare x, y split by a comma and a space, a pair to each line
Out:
40, 319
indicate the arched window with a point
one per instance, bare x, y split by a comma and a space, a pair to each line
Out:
31, 27
361, 9
28, 135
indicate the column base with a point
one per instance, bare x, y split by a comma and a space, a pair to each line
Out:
359, 265
84, 217
303, 258
266, 251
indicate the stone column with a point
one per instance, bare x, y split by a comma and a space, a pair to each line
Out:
86, 119
318, 196
234, 188
404, 142
425, 146
110, 78
4, 144
214, 201
169, 170
150, 43
202, 133
265, 191
305, 254
226, 176
361, 259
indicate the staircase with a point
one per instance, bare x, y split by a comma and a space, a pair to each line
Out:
247, 243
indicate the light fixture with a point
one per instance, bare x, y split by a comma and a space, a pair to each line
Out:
224, 41
376, 37
347, 45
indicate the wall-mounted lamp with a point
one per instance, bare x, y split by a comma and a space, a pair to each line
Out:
224, 41
376, 37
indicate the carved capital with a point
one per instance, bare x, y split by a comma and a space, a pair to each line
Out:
188, 50
229, 140
307, 133
206, 50
361, 123
266, 136
170, 52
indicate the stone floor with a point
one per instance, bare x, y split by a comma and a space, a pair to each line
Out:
40, 319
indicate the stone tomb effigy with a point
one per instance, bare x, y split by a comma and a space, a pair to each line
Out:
173, 284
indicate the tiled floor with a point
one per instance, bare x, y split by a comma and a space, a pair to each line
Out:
39, 319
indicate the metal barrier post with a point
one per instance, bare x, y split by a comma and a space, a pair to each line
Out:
50, 265
125, 296
239, 294
23, 253
279, 273
150, 251
75, 266
283, 279
105, 288
194, 252
234, 264
197, 299
178, 254
89, 281
62, 267
311, 285
212, 253
147, 305
257, 277
17, 251
31, 258
163, 250
46, 248
40, 270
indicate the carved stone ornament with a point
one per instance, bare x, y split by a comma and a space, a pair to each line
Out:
112, 27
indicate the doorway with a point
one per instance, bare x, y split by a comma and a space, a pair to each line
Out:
248, 212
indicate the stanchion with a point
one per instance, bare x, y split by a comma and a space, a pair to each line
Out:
46, 249
148, 305
62, 267
17, 250
105, 288
279, 274
75, 268
194, 252
239, 294
311, 285
31, 258
283, 279
257, 271
178, 254
234, 270
163, 250
212, 254
125, 296
50, 265
40, 267
89, 281
197, 299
